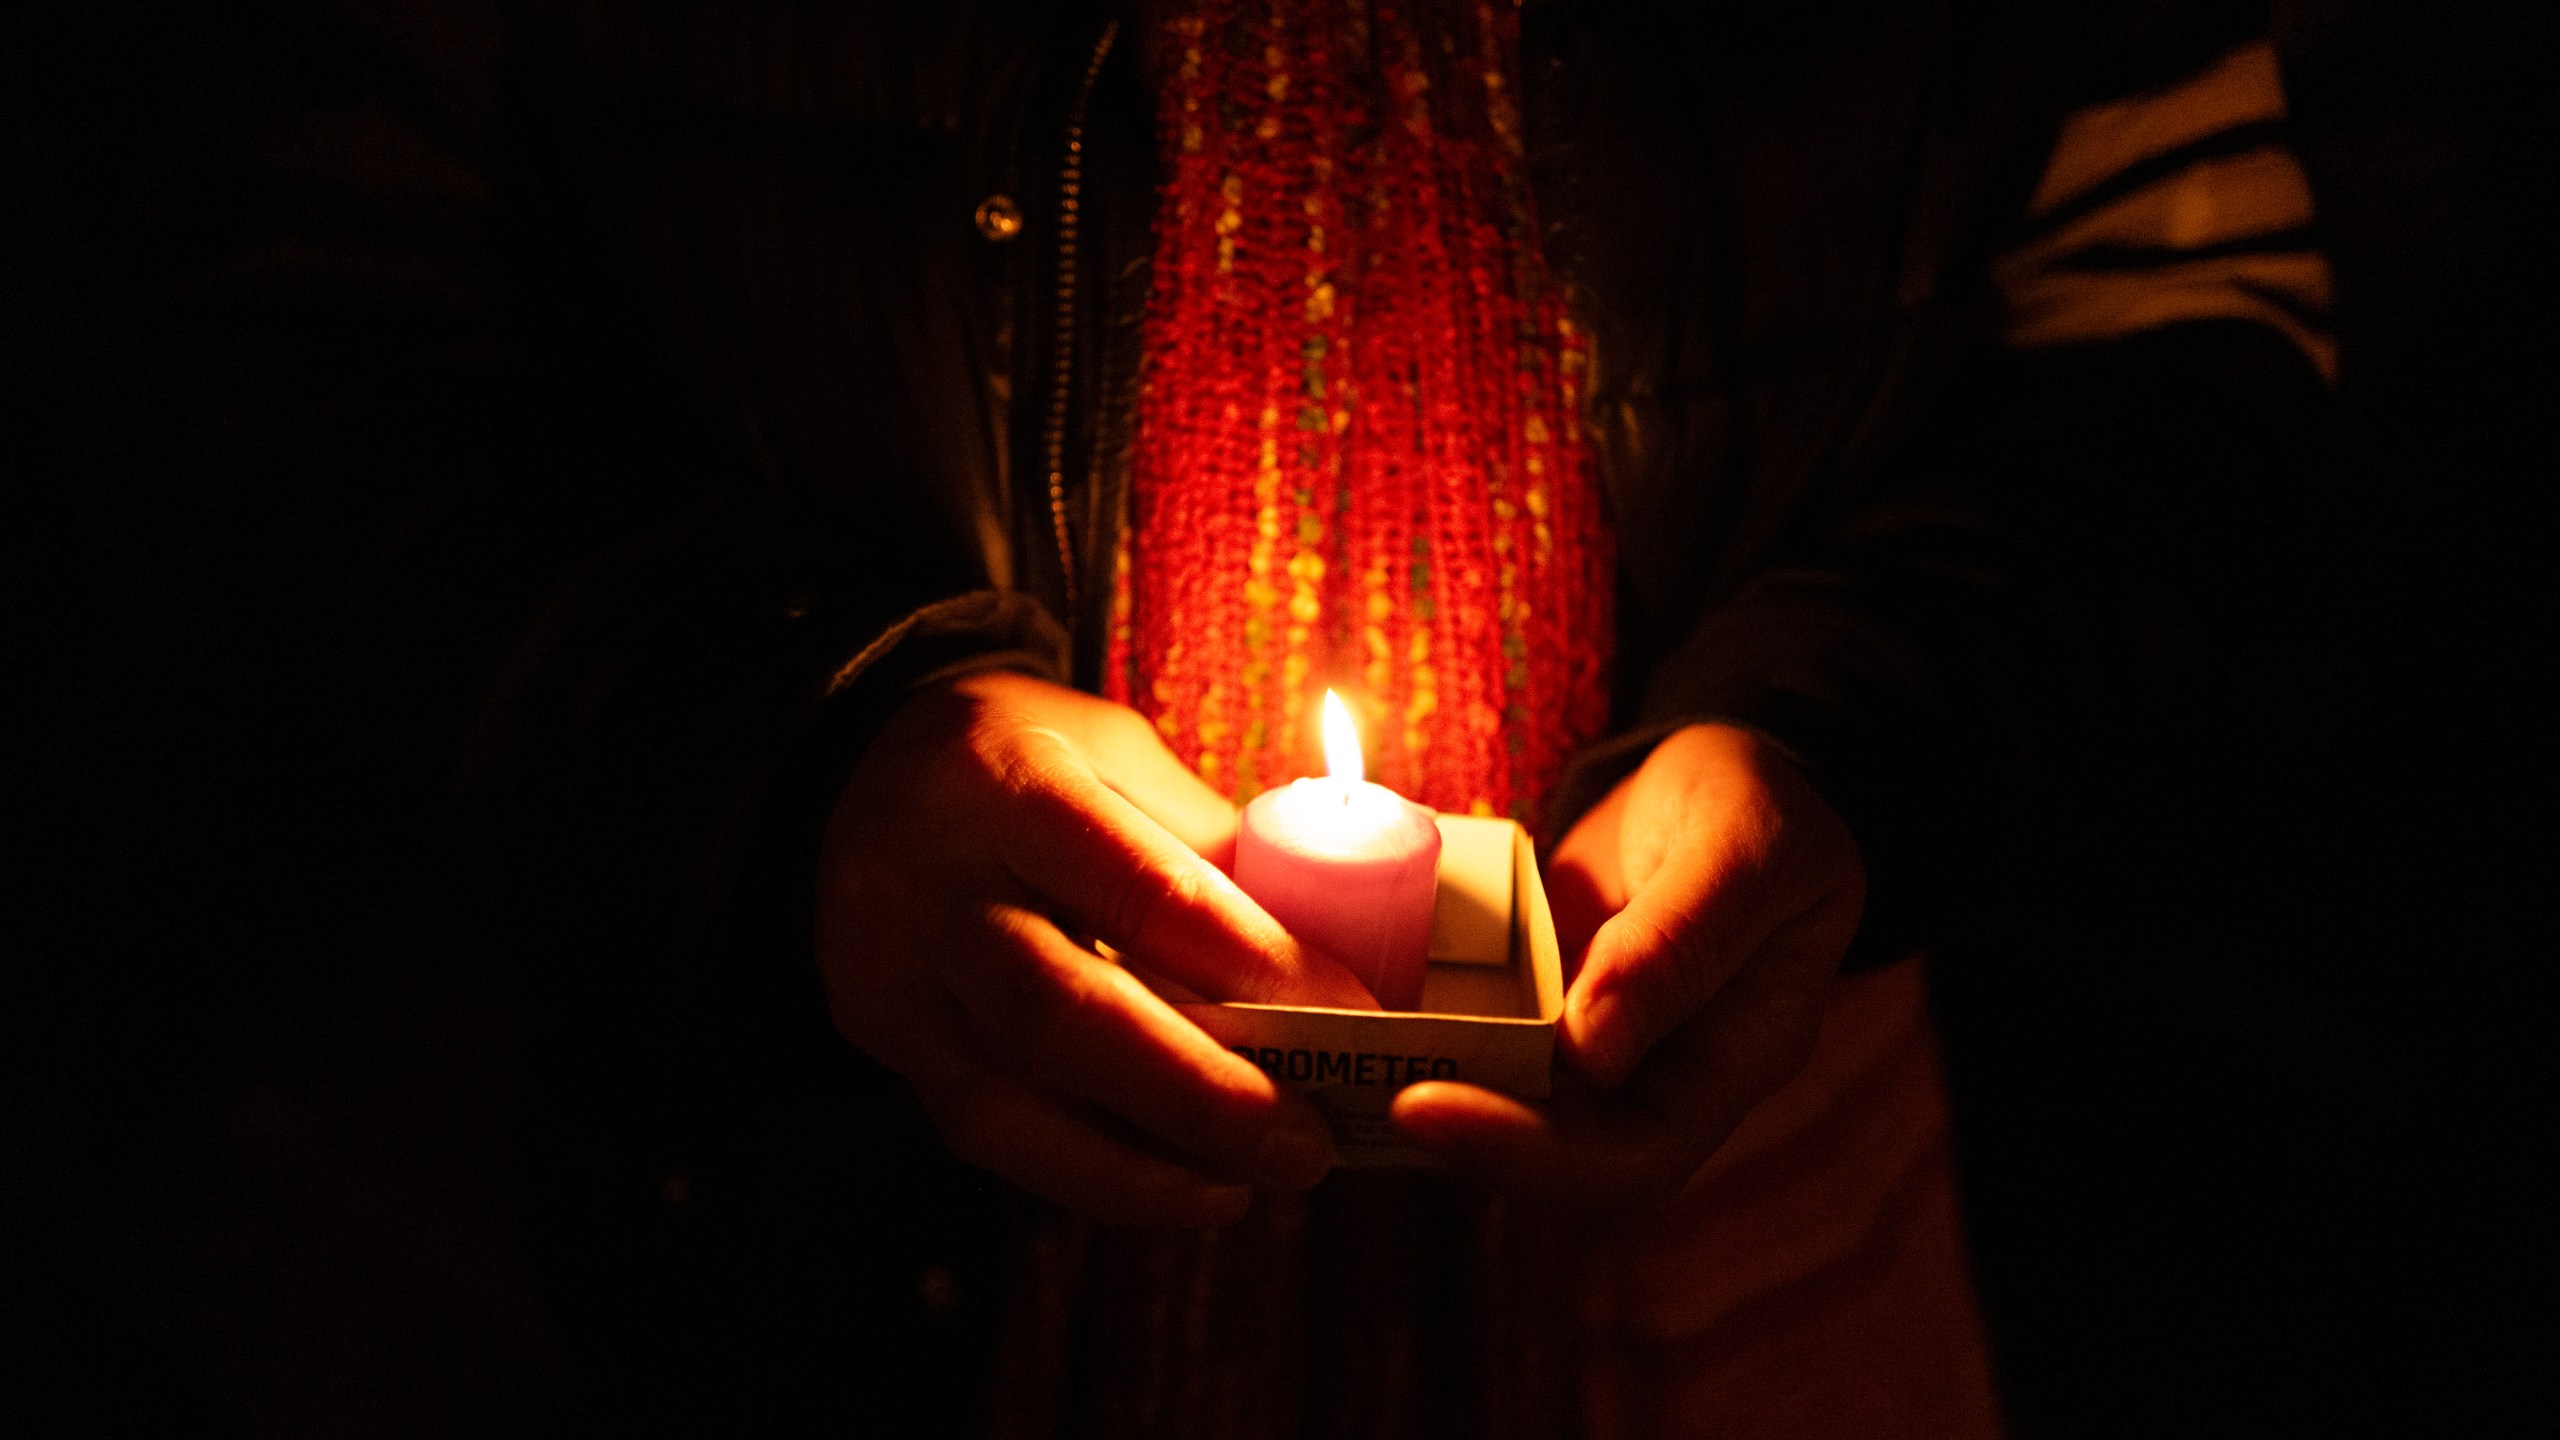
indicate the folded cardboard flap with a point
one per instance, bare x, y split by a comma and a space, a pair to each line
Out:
1489, 1004
1471, 915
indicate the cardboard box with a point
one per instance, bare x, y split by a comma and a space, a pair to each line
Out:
1489, 1004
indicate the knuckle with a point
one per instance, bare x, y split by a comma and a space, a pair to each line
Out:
996, 750
1670, 963
1692, 959
1147, 892
1029, 755
1763, 816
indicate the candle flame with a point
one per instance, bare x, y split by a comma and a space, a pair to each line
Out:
1341, 741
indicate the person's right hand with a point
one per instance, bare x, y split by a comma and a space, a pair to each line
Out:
994, 819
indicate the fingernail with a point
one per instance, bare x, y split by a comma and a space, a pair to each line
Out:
1294, 1157
1417, 1122
1593, 1050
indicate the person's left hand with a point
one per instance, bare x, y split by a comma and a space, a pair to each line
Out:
1708, 901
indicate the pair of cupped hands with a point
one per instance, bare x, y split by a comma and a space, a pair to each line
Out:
999, 820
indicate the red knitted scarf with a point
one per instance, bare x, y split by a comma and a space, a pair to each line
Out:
1359, 463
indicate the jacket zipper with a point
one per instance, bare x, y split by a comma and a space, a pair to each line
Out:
1053, 439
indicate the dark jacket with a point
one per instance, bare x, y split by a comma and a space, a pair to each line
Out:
567, 397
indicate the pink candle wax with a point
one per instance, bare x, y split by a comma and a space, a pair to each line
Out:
1347, 866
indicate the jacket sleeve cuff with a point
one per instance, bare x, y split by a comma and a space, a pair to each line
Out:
981, 630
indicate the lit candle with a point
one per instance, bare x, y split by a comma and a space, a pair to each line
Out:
1348, 866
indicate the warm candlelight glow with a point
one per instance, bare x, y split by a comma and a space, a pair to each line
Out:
1346, 864
1341, 742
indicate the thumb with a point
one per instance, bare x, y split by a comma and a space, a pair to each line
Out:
1660, 960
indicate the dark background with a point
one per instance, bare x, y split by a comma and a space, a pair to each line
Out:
2289, 1061
2418, 1045
2305, 1132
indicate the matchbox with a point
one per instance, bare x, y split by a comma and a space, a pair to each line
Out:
1489, 1004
